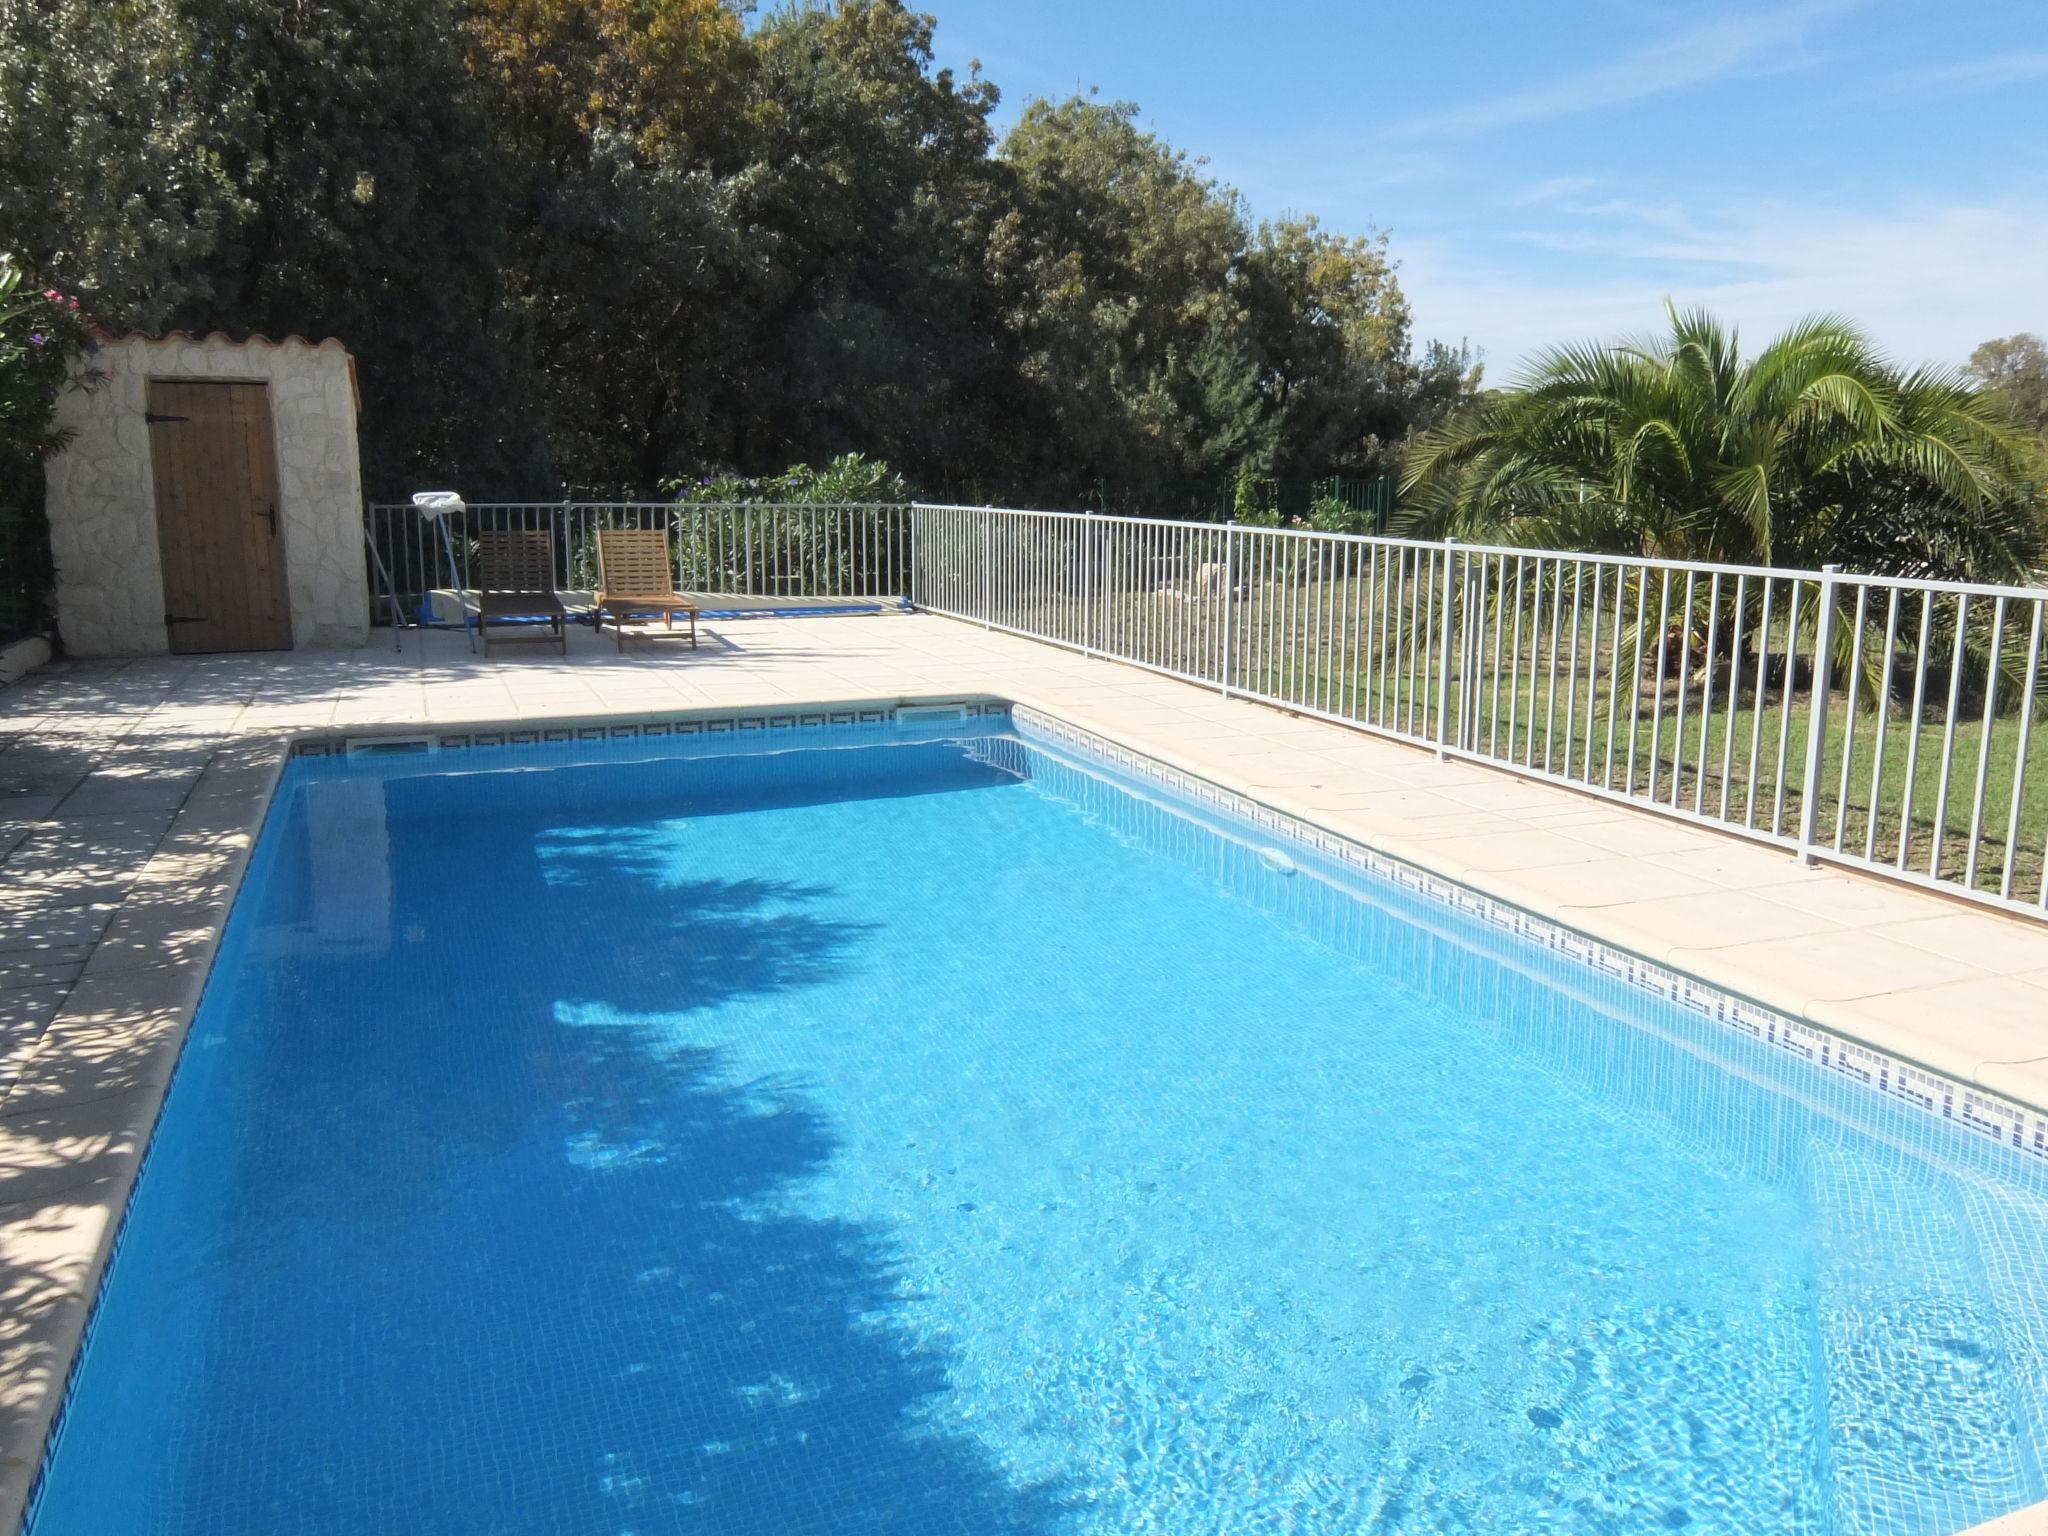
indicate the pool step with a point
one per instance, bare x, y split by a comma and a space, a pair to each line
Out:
2010, 1227
1918, 1381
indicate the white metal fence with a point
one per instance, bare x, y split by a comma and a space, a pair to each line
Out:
1871, 721
791, 553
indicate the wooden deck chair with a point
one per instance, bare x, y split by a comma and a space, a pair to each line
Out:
515, 589
635, 580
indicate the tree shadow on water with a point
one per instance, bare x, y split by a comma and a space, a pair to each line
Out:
546, 1273
731, 1366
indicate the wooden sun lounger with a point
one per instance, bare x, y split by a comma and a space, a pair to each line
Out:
516, 590
635, 580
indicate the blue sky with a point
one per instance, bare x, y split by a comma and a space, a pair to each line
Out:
1551, 169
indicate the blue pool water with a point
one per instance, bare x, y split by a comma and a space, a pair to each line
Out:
924, 1131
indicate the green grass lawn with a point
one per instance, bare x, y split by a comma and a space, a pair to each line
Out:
1847, 814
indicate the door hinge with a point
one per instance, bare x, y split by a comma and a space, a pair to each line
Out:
179, 618
151, 418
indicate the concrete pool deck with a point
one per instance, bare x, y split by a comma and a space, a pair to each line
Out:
130, 792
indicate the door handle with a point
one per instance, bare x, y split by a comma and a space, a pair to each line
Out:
271, 513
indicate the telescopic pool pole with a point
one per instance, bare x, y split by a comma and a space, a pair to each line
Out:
437, 507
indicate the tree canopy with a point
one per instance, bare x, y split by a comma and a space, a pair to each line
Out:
593, 245
2013, 371
1814, 449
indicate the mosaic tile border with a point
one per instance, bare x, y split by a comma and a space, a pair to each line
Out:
578, 733
1901, 1081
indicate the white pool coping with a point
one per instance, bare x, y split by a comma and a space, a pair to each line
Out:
187, 752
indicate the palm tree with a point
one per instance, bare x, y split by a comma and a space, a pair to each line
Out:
1814, 450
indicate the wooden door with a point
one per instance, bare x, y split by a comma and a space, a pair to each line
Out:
215, 466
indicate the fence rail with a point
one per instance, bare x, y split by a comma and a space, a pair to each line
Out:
1877, 722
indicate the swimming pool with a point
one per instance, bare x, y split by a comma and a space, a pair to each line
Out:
934, 1129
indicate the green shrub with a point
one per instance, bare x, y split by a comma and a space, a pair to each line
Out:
38, 335
849, 480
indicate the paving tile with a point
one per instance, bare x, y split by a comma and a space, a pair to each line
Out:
1591, 813
1339, 797
195, 869
171, 925
42, 967
248, 784
44, 926
14, 831
1713, 918
1275, 769
1510, 796
45, 1152
2024, 1082
35, 893
1567, 890
22, 781
1989, 942
61, 840
1417, 767
25, 1012
49, 1260
1861, 899
31, 808
1800, 971
1518, 848
292, 714
1631, 832
1740, 866
114, 1035
1988, 1020
41, 865
108, 793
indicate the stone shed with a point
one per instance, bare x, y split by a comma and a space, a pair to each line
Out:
210, 498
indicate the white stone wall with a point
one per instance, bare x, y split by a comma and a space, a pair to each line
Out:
102, 500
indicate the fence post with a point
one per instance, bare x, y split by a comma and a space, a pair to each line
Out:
988, 567
1472, 658
1443, 686
1817, 712
1223, 672
902, 537
1087, 614
1102, 589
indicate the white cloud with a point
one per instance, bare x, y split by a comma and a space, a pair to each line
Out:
1999, 69
1552, 189
1927, 281
1767, 39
